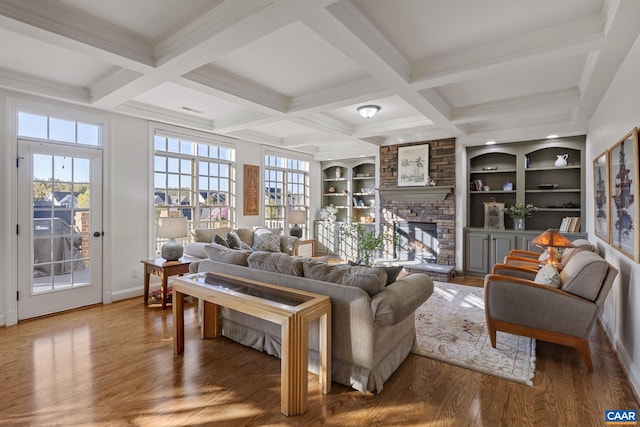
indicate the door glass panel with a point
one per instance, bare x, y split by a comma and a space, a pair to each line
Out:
61, 212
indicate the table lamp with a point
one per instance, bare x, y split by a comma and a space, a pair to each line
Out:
170, 228
296, 217
552, 239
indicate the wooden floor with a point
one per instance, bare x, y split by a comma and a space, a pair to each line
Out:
114, 365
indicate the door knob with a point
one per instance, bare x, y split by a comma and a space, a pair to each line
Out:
97, 234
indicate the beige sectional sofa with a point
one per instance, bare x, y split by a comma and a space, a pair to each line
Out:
373, 323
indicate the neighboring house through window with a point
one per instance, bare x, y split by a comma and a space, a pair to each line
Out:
286, 188
194, 178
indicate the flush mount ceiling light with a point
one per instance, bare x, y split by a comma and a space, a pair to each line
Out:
368, 111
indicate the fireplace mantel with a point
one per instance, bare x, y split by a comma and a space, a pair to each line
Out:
438, 192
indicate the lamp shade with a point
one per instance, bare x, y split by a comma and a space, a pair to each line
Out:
172, 227
297, 217
552, 238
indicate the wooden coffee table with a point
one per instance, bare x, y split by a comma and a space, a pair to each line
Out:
164, 269
292, 309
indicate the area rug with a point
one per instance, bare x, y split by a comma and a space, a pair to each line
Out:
451, 327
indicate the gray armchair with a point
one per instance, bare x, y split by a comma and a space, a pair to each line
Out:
516, 304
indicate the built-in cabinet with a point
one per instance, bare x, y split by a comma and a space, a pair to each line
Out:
349, 187
525, 172
483, 247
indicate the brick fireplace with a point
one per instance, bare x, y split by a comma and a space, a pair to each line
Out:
422, 204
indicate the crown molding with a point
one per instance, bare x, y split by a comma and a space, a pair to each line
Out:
564, 99
35, 85
215, 21
575, 37
244, 91
146, 111
112, 82
361, 90
78, 31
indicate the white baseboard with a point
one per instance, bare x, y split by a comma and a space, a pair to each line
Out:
131, 292
632, 371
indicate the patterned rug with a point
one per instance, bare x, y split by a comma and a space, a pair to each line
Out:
451, 327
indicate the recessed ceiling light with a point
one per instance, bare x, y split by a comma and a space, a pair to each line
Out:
490, 142
553, 135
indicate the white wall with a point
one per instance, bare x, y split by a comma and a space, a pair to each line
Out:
617, 114
127, 201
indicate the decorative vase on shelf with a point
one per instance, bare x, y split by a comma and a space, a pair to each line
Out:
338, 173
518, 223
561, 160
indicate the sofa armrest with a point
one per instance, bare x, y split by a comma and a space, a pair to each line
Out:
401, 299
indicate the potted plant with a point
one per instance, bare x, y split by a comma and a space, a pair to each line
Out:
519, 211
363, 239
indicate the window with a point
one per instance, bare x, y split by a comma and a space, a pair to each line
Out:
54, 129
286, 182
194, 179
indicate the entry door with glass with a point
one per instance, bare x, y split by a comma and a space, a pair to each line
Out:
59, 229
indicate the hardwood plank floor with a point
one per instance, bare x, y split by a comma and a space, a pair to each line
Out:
114, 365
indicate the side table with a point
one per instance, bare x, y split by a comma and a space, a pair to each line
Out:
307, 248
164, 269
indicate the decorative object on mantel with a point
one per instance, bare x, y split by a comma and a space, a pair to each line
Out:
413, 165
561, 160
430, 182
519, 211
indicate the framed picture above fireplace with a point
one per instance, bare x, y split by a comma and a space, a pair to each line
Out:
413, 165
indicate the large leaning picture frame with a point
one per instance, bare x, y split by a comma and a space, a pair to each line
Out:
251, 196
623, 167
413, 165
602, 223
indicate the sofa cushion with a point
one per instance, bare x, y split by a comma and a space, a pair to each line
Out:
265, 240
221, 253
220, 240
276, 262
206, 235
548, 275
371, 280
195, 249
245, 234
583, 275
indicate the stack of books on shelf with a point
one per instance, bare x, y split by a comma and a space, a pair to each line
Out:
477, 185
570, 224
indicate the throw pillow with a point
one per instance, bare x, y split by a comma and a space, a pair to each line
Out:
265, 240
548, 275
371, 280
392, 273
234, 240
219, 240
221, 253
276, 262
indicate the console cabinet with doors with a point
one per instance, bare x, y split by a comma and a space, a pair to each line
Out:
349, 187
483, 247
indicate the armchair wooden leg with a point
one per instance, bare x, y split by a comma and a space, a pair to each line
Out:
585, 351
491, 330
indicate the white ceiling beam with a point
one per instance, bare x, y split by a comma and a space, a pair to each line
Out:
571, 38
622, 31
344, 26
146, 111
54, 23
542, 103
243, 120
377, 128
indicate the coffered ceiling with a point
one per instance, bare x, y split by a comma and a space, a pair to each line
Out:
291, 73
